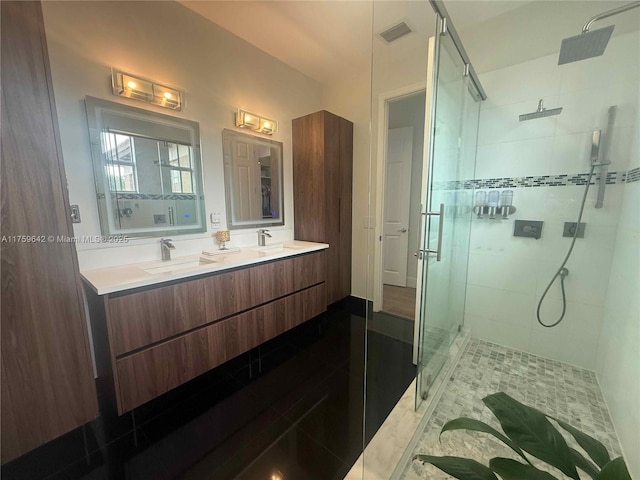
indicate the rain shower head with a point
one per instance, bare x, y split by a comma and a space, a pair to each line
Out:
585, 45
591, 44
540, 113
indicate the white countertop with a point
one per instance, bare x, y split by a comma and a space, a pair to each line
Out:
125, 277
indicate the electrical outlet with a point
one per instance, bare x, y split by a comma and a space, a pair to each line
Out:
215, 218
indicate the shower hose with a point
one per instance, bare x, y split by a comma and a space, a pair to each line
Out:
563, 271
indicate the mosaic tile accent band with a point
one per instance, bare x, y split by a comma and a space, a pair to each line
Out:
569, 393
633, 175
151, 196
537, 181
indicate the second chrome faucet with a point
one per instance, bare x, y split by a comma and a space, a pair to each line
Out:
166, 245
262, 237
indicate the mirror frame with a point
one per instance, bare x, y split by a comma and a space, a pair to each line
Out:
228, 182
94, 107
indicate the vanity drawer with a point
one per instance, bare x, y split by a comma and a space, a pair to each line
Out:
144, 318
144, 375
309, 270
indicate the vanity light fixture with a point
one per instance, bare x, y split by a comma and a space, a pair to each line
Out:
130, 86
255, 122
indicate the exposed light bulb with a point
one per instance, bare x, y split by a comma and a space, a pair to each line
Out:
167, 95
131, 84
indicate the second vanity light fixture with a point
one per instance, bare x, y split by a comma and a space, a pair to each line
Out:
150, 91
255, 122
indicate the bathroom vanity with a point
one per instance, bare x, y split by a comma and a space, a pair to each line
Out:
158, 325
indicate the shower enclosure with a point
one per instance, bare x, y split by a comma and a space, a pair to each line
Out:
453, 108
480, 275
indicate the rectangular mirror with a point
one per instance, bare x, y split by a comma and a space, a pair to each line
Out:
147, 170
252, 180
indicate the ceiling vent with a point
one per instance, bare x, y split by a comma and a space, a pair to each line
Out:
394, 33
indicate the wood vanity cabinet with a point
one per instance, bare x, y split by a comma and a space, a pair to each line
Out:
153, 339
48, 386
322, 176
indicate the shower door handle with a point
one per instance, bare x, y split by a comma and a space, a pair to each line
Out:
440, 214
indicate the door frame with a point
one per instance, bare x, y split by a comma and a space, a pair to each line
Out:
381, 163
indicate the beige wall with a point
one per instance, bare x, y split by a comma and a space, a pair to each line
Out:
169, 43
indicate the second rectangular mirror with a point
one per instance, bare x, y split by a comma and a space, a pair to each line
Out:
253, 180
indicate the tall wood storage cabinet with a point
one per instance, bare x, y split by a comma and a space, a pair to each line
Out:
322, 177
47, 379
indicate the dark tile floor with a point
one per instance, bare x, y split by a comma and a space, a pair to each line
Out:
293, 407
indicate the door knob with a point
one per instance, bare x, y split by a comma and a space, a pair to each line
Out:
402, 230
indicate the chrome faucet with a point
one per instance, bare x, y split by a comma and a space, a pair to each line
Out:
166, 246
262, 237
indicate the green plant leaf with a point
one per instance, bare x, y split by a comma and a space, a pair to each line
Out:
510, 469
584, 464
464, 423
460, 468
616, 469
532, 432
593, 447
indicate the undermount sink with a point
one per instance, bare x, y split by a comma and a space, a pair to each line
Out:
280, 247
176, 265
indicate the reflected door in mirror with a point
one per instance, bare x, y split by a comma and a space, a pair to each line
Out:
253, 179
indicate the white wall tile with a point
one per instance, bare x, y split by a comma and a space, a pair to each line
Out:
502, 272
497, 332
581, 323
523, 82
551, 345
501, 124
514, 159
585, 283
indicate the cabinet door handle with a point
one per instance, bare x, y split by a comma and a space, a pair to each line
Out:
440, 214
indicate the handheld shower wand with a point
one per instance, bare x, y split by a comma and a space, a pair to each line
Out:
596, 160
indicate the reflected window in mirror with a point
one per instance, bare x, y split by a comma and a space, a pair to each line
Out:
147, 170
253, 180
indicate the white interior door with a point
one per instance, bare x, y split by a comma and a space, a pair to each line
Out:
395, 242
247, 190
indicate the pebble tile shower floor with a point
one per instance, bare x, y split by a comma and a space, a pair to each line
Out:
569, 393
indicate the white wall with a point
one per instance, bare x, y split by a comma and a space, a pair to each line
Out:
507, 275
169, 43
351, 99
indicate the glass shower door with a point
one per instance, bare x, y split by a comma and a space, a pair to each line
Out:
446, 214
